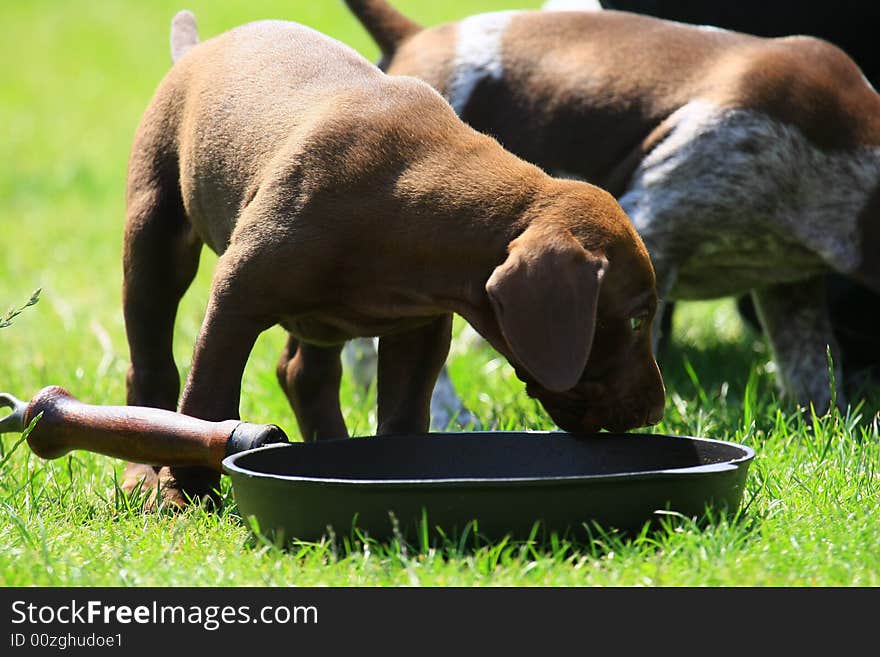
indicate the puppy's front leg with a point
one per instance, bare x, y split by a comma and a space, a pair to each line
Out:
409, 364
231, 326
310, 376
796, 321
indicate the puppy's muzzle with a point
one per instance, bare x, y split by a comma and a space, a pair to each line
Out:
591, 406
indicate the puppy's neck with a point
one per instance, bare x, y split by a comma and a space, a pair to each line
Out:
461, 208
470, 203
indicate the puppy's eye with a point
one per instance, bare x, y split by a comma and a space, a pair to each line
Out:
638, 323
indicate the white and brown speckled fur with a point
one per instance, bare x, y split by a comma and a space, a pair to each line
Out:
789, 213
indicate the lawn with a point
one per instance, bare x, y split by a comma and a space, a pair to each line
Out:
78, 76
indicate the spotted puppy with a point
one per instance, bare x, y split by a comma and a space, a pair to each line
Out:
347, 203
854, 309
746, 164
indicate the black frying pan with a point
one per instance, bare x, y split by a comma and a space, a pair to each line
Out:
506, 481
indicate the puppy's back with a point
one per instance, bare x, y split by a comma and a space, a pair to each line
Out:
233, 104
277, 104
264, 77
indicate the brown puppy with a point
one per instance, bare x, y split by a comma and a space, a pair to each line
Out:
746, 164
349, 203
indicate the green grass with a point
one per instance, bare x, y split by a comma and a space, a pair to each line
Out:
78, 76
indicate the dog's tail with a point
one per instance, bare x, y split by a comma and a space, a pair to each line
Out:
388, 27
184, 34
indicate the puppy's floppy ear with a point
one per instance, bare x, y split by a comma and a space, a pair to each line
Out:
545, 296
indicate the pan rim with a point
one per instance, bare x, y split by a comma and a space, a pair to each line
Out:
747, 455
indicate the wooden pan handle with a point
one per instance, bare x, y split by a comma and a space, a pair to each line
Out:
136, 433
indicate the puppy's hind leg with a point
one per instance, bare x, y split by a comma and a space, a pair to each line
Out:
160, 259
310, 376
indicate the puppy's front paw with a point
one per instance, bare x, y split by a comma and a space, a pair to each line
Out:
163, 487
181, 487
